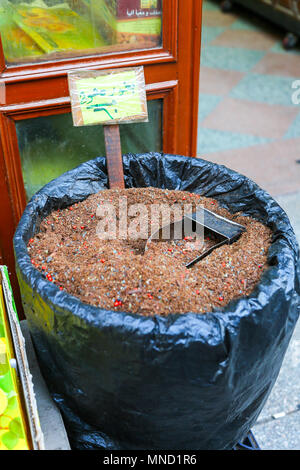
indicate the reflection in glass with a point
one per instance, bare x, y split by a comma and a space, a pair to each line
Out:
34, 30
51, 145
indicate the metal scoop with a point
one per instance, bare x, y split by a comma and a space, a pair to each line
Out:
198, 224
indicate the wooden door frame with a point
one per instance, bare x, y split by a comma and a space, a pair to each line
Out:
27, 74
28, 91
178, 59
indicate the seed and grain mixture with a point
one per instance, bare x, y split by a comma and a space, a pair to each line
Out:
120, 275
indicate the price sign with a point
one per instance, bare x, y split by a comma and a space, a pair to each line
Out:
109, 97
115, 96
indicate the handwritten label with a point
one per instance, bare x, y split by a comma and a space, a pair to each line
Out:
109, 97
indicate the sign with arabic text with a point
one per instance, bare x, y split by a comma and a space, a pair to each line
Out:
115, 96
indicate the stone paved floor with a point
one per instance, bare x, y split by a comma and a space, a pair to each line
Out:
247, 119
248, 122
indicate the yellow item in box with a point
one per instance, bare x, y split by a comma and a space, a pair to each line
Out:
56, 28
19, 423
13, 427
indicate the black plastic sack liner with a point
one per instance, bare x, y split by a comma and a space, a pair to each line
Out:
187, 381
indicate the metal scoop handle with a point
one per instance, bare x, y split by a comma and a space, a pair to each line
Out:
227, 229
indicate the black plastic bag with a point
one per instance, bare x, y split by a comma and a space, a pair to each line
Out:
188, 381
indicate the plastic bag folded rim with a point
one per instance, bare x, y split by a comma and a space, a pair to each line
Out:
60, 299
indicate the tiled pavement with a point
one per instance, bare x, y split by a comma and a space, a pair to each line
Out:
248, 122
247, 119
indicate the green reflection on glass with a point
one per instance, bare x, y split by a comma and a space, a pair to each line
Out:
35, 30
51, 145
